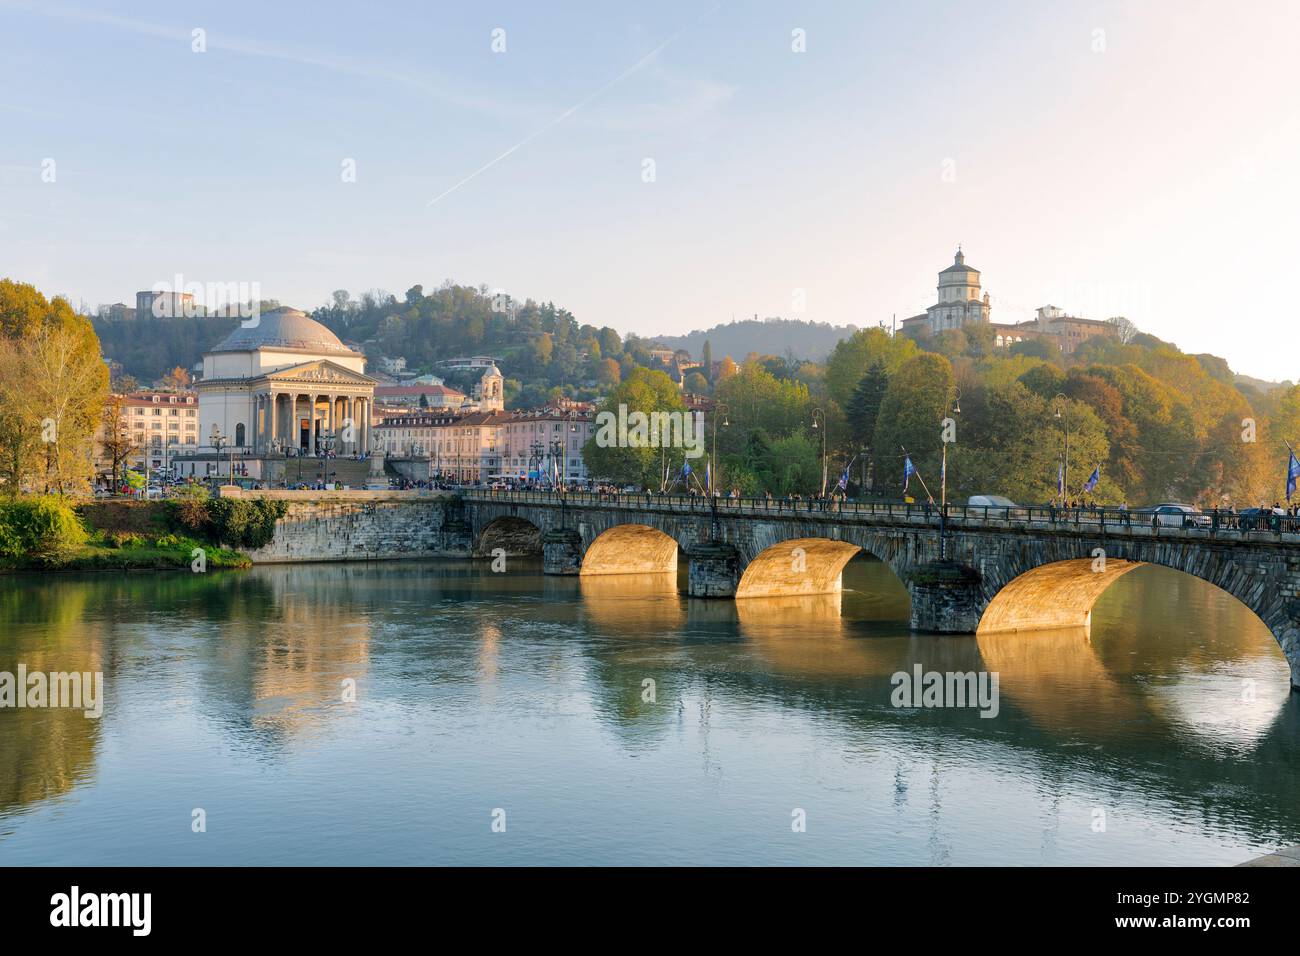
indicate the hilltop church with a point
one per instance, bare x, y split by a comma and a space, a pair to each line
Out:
961, 303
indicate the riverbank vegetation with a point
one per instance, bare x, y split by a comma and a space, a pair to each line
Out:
54, 533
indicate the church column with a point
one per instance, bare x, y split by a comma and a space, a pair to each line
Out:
272, 408
258, 406
315, 428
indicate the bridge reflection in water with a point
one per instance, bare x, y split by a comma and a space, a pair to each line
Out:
484, 689
967, 570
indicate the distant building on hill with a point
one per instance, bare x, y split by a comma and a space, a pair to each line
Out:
164, 305
961, 303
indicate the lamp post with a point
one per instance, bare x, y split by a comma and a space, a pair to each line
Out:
327, 445
819, 424
119, 458
217, 440
557, 460
536, 448
720, 410
953, 398
1059, 405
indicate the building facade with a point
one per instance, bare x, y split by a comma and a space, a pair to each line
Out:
491, 445
285, 384
156, 426
960, 301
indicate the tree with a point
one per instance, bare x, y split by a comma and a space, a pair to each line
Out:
116, 443
1127, 330
1037, 348
706, 360
625, 458
756, 399
178, 378
696, 384
864, 408
53, 383
851, 357
608, 373
910, 417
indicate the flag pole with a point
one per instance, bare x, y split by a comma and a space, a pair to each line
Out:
917, 472
1287, 484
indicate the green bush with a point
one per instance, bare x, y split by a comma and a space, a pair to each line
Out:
45, 530
244, 523
190, 515
122, 539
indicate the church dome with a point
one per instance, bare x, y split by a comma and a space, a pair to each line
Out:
959, 265
284, 329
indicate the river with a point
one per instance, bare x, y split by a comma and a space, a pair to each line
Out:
441, 713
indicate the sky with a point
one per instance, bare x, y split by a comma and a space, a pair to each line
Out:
670, 166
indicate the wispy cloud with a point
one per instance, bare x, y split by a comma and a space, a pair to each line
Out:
217, 40
638, 65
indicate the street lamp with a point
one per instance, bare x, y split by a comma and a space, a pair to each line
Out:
557, 460
720, 410
1058, 403
537, 449
954, 400
327, 440
819, 424
218, 440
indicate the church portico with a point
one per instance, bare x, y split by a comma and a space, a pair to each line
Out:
287, 418
284, 387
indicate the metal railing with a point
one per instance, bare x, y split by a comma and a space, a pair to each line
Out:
1108, 520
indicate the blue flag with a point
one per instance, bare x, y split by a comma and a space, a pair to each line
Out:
909, 470
1060, 480
844, 480
1292, 473
708, 476
1092, 480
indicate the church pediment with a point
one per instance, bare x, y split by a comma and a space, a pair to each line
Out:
321, 371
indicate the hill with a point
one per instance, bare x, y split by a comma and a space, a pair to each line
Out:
805, 340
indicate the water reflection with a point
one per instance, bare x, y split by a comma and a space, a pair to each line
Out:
612, 691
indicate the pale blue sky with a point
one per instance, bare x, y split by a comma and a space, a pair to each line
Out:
1146, 170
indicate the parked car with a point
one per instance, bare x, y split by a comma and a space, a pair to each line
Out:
1173, 515
1259, 519
990, 501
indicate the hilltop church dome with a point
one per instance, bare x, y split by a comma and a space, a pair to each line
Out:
284, 328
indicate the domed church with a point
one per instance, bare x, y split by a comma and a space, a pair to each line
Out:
282, 383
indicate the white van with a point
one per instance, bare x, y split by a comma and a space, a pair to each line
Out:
990, 501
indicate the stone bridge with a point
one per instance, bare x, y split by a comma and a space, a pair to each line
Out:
984, 570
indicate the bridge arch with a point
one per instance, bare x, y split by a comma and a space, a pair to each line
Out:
630, 549
806, 565
1060, 592
516, 536
1055, 595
